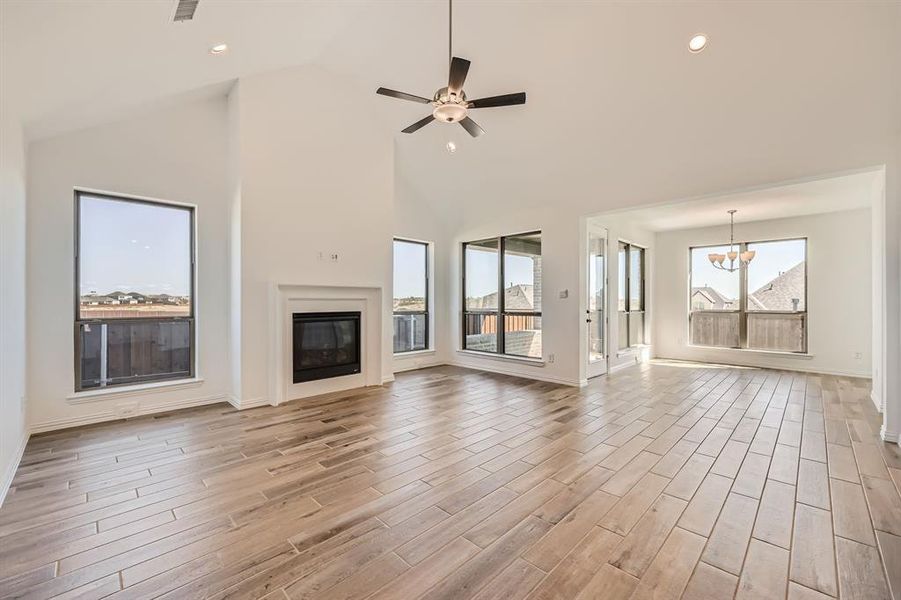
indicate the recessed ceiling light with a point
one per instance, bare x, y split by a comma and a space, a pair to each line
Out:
697, 43
451, 147
218, 48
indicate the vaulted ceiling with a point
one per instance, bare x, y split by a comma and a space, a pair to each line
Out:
618, 110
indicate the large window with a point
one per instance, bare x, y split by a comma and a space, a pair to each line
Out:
508, 323
631, 262
134, 317
411, 296
761, 306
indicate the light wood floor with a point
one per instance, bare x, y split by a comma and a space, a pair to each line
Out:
661, 481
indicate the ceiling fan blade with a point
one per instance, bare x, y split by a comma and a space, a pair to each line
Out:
402, 95
504, 100
419, 124
472, 127
458, 69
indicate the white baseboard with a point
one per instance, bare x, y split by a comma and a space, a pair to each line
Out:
387, 379
534, 375
890, 436
415, 367
248, 403
12, 467
877, 401
621, 366
110, 415
726, 361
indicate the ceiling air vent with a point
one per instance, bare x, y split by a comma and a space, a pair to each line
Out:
184, 11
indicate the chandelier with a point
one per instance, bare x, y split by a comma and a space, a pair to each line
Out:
717, 259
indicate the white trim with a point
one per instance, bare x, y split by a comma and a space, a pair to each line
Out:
793, 369
413, 366
889, 436
754, 351
620, 366
110, 415
536, 362
877, 401
246, 404
414, 353
7, 480
131, 390
521, 375
284, 298
387, 379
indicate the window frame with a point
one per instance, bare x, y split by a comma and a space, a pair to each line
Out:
500, 312
626, 293
743, 294
428, 299
78, 321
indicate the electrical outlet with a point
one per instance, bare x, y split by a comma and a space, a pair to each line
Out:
320, 256
126, 409
564, 294
551, 358
857, 355
333, 257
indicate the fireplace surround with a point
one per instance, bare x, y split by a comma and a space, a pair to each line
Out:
325, 345
287, 299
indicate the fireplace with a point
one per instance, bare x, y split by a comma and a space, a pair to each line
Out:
326, 344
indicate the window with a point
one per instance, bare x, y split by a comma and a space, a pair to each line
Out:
761, 306
411, 296
508, 323
134, 266
631, 295
714, 301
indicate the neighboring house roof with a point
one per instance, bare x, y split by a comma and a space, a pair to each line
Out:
779, 293
516, 297
715, 298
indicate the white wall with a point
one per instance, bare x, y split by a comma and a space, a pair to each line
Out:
839, 277
13, 430
417, 219
561, 318
888, 361
316, 177
176, 154
620, 228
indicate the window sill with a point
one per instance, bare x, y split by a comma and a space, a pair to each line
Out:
777, 353
413, 353
132, 390
538, 362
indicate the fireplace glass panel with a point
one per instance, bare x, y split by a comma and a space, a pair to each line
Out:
326, 345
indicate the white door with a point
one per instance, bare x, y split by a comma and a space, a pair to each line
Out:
597, 302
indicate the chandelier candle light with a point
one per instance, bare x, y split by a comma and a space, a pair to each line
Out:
717, 259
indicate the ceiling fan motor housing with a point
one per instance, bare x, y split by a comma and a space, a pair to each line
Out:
450, 107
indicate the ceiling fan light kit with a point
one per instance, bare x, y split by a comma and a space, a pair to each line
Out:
449, 103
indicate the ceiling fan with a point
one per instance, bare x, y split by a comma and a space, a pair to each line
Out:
450, 103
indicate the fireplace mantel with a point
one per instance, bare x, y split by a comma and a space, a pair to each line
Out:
287, 299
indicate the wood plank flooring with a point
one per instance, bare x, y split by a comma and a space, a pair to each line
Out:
667, 480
